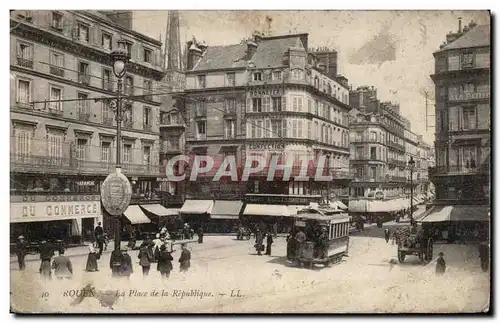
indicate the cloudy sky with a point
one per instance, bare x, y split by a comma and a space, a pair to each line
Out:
391, 50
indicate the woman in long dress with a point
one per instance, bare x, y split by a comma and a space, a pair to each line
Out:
92, 260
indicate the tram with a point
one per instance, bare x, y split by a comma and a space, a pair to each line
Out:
326, 238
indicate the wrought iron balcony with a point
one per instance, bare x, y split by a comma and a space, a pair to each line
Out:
56, 70
396, 145
24, 62
458, 170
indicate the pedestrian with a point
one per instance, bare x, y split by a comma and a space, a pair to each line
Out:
62, 266
440, 265
92, 260
259, 241
106, 241
387, 234
126, 268
21, 249
199, 232
164, 262
185, 259
269, 242
156, 248
145, 259
46, 254
99, 237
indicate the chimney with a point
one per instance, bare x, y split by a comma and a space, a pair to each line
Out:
459, 24
194, 55
251, 49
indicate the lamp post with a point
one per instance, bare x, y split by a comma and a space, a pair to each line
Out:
328, 182
411, 165
119, 57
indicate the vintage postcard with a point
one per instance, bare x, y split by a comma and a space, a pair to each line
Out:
250, 161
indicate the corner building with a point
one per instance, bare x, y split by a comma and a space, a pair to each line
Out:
61, 151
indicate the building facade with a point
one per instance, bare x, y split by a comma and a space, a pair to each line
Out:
266, 96
62, 140
463, 137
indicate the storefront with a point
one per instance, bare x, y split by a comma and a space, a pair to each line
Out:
71, 218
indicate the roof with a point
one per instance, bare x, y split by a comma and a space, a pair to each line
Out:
478, 36
221, 57
269, 53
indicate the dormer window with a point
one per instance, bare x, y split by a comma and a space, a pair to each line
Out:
277, 75
257, 76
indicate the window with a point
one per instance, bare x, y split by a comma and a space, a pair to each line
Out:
230, 129
57, 63
57, 21
257, 76
127, 153
277, 75
128, 46
257, 105
25, 55
106, 80
81, 149
146, 151
469, 157
316, 108
146, 118
276, 127
276, 103
147, 54
106, 41
373, 152
201, 129
266, 103
359, 153
23, 142
129, 85
83, 33
107, 115
83, 108
316, 130
297, 74
469, 118
373, 171
148, 87
83, 71
230, 106
467, 60
230, 79
202, 81
258, 129
105, 152
297, 103
55, 95
55, 147
23, 92
201, 109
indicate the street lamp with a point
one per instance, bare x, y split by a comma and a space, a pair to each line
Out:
119, 57
411, 165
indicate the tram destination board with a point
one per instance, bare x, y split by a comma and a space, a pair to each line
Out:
116, 193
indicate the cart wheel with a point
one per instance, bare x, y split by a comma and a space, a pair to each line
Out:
401, 256
430, 249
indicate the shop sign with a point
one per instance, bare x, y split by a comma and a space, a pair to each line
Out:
266, 146
54, 198
116, 193
85, 183
53, 211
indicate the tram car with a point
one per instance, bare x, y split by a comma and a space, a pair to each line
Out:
326, 237
416, 243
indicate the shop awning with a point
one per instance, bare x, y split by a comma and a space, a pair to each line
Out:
338, 205
266, 210
342, 205
226, 210
159, 210
135, 215
293, 209
197, 206
456, 213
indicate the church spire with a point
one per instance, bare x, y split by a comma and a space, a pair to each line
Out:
172, 55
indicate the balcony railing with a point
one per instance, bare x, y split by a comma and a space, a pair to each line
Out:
465, 96
84, 78
41, 164
56, 70
107, 121
56, 111
396, 145
459, 170
25, 62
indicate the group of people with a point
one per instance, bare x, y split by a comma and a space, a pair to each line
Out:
316, 234
259, 242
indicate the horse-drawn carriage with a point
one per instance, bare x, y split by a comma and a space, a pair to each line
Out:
414, 242
326, 233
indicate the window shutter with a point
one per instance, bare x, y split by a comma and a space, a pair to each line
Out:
283, 103
94, 34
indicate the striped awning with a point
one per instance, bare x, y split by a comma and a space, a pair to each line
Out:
135, 215
197, 207
266, 210
226, 210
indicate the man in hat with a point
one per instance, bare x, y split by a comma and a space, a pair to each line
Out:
99, 237
126, 268
46, 254
199, 232
185, 259
440, 265
269, 242
259, 241
21, 249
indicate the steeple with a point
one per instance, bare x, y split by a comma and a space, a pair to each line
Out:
173, 55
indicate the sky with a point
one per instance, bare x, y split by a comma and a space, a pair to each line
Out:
391, 50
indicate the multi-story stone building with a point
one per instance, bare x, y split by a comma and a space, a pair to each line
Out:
463, 137
62, 141
382, 143
266, 96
